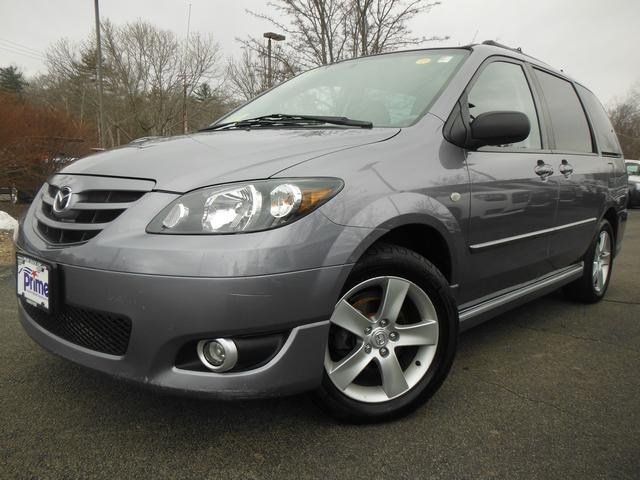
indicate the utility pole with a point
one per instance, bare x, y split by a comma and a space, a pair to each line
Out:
99, 78
185, 120
276, 37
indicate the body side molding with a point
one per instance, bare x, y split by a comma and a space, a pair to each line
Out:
500, 241
478, 311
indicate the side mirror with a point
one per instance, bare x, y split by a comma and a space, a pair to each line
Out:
490, 128
500, 128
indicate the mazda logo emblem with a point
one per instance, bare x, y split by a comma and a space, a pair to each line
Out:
62, 200
380, 339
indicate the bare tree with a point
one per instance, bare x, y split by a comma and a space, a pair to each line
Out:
324, 31
379, 26
316, 28
247, 76
70, 81
625, 116
145, 70
150, 69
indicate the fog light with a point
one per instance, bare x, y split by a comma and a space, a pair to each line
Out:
218, 355
214, 353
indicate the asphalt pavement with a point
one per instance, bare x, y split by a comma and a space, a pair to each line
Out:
548, 391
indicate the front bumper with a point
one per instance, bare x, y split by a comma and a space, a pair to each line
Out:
174, 290
168, 312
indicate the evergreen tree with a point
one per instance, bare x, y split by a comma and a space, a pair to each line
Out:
12, 80
203, 93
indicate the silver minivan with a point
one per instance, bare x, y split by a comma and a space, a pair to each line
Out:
334, 234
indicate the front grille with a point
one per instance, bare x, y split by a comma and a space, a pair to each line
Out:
91, 208
99, 331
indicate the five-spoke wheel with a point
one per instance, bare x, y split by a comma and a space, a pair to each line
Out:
601, 261
390, 329
392, 337
598, 264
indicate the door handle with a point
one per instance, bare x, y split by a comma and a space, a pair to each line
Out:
566, 168
543, 170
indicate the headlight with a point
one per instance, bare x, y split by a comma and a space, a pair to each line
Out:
244, 207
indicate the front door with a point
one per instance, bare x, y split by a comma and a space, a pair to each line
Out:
513, 194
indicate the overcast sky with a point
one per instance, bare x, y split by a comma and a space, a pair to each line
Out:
595, 41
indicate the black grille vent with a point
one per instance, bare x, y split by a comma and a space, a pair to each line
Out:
112, 196
99, 331
62, 236
89, 213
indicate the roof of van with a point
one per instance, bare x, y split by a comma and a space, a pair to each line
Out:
487, 48
490, 47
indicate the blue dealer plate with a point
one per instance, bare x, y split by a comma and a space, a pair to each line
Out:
33, 282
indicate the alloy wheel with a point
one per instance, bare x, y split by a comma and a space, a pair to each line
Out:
382, 341
601, 262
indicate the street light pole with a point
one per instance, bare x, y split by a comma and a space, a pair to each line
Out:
99, 77
269, 73
276, 37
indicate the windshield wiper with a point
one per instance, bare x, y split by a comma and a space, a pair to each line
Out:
285, 120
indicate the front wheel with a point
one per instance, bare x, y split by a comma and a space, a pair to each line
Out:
392, 338
598, 265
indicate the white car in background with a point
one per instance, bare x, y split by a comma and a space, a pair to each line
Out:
8, 194
633, 170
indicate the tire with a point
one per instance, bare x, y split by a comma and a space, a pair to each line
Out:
419, 331
592, 287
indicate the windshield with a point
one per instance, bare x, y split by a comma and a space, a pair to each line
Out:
388, 90
633, 169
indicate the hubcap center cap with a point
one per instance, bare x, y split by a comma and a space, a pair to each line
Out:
379, 338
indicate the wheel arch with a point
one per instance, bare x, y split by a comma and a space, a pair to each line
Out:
611, 215
421, 233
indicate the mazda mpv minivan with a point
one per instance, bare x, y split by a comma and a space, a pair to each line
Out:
333, 234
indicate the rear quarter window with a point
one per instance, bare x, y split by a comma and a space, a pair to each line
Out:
605, 134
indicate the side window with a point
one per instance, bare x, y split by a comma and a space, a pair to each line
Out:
605, 135
570, 126
503, 86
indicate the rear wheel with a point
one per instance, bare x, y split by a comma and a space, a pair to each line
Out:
598, 264
392, 338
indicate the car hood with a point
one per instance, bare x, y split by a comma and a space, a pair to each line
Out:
183, 163
634, 178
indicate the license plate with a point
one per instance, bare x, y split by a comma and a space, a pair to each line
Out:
33, 282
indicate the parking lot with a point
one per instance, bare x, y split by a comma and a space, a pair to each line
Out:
550, 390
